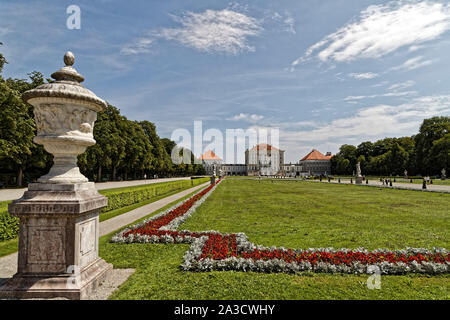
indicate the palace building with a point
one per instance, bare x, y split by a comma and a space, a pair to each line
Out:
266, 160
315, 163
209, 160
263, 159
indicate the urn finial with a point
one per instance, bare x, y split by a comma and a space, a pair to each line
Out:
69, 58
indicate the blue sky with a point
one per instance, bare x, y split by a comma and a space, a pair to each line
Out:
325, 72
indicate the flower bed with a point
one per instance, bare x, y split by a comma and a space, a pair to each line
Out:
212, 250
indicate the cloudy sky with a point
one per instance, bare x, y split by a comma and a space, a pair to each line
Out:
324, 72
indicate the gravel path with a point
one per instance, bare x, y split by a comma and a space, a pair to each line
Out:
8, 264
119, 221
407, 186
12, 194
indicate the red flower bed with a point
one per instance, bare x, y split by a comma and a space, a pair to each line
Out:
152, 227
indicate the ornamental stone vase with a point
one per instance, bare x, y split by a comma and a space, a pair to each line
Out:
59, 224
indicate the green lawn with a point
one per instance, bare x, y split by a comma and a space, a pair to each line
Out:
296, 215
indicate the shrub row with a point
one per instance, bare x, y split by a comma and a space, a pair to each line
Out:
9, 225
123, 197
117, 198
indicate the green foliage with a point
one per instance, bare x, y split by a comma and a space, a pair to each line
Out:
9, 225
427, 153
430, 134
2, 61
18, 153
129, 149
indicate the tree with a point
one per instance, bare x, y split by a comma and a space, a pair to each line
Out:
440, 154
138, 148
109, 150
161, 162
431, 130
2, 60
364, 149
17, 128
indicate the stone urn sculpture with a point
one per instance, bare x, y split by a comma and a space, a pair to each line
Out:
59, 224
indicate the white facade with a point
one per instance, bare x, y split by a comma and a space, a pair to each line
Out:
264, 160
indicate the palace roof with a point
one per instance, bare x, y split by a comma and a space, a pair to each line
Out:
209, 155
315, 155
264, 146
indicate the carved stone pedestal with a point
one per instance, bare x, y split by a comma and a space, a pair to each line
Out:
358, 180
213, 180
58, 242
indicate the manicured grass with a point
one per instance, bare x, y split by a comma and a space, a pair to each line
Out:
297, 214
271, 217
9, 246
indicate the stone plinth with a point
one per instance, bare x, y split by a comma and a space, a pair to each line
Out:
358, 180
213, 180
58, 242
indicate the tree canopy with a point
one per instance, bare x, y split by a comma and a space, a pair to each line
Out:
125, 149
426, 153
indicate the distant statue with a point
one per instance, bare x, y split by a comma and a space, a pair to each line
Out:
406, 174
358, 169
358, 178
443, 172
214, 169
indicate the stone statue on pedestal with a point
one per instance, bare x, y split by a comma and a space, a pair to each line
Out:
443, 174
358, 177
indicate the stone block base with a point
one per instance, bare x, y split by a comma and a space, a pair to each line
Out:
358, 180
70, 286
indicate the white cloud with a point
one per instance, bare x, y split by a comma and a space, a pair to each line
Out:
389, 94
363, 76
290, 24
141, 45
414, 63
375, 122
415, 48
402, 86
247, 117
382, 29
223, 31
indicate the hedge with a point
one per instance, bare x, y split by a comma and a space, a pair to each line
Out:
117, 198
9, 225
